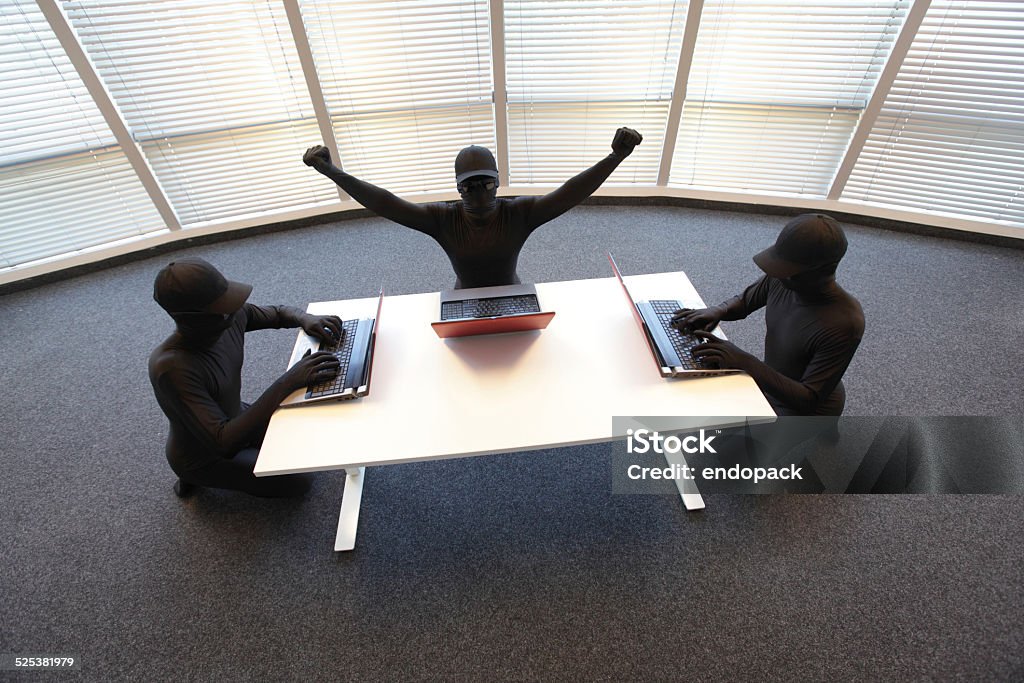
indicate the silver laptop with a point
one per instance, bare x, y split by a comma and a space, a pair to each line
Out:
355, 353
669, 347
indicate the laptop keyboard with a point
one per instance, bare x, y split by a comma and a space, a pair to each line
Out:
489, 308
343, 353
682, 343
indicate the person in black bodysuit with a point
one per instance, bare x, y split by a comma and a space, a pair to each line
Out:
196, 375
813, 325
482, 235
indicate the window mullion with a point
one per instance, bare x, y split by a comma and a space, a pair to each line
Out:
58, 21
874, 107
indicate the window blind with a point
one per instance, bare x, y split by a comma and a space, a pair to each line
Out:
578, 71
407, 84
214, 94
950, 137
776, 90
64, 182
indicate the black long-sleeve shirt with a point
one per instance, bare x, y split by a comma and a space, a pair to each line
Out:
483, 251
809, 342
200, 389
482, 255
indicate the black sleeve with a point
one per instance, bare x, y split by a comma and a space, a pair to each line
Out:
186, 396
832, 355
753, 297
571, 193
271, 317
833, 352
382, 202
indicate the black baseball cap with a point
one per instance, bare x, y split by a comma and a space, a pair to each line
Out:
807, 242
475, 161
192, 285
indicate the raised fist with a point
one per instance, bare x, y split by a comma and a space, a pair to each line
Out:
624, 141
317, 156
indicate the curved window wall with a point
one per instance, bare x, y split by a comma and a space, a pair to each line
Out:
128, 123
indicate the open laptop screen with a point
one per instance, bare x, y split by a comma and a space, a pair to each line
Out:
490, 310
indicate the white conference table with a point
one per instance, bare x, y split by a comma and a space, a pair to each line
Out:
433, 398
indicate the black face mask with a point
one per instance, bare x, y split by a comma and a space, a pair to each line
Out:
811, 281
479, 196
202, 327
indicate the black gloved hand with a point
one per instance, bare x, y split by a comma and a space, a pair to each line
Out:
720, 354
624, 141
311, 368
326, 328
317, 156
692, 319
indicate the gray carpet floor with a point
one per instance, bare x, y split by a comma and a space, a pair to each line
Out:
508, 567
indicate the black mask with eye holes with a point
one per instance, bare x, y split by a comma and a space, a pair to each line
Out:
479, 194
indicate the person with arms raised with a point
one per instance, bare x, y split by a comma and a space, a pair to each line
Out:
482, 234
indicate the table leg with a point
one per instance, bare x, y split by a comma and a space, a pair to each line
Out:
349, 518
688, 491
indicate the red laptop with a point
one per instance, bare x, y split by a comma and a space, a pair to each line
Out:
490, 310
